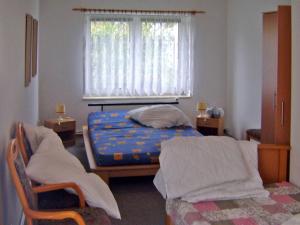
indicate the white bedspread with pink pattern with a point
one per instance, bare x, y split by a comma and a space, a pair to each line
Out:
281, 206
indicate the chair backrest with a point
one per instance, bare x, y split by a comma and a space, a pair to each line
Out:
21, 181
23, 142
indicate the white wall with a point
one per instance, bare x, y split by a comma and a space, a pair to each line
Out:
295, 141
17, 102
61, 68
61, 52
244, 55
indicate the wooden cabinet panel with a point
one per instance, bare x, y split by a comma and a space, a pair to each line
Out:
283, 109
272, 162
270, 49
276, 93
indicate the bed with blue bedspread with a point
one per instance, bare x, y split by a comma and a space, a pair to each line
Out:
116, 140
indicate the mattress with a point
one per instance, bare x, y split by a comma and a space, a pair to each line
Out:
118, 140
283, 203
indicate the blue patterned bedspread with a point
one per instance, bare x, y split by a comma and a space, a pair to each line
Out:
117, 140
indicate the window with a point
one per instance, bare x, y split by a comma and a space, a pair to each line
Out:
138, 56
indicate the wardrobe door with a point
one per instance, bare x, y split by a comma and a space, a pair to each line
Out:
283, 109
269, 83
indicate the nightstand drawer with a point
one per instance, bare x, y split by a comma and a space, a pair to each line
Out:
65, 129
66, 126
209, 122
210, 126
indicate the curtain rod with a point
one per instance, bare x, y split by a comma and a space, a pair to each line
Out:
193, 12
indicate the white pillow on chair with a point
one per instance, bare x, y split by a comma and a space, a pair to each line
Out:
36, 134
50, 164
160, 116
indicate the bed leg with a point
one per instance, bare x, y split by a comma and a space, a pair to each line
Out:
168, 220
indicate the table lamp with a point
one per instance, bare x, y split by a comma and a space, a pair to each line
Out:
60, 110
201, 107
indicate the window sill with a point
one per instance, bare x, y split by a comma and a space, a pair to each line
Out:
134, 98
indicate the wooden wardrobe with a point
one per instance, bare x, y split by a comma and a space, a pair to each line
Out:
276, 94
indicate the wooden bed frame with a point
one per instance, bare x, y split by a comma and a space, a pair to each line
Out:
272, 166
106, 172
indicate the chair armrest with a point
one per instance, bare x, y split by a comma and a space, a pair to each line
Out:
40, 215
52, 187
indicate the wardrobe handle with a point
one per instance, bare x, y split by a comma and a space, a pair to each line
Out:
274, 101
282, 113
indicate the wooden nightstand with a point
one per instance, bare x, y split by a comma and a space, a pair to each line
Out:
253, 134
65, 130
210, 126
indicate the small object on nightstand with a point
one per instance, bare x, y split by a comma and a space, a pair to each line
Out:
60, 110
210, 126
65, 129
215, 112
201, 107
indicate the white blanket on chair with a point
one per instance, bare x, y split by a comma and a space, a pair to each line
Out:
53, 164
208, 168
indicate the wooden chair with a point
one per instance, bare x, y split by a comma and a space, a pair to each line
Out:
27, 195
23, 142
57, 199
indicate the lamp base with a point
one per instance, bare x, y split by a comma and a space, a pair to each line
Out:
60, 118
203, 114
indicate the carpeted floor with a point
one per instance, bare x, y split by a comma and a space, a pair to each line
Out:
138, 200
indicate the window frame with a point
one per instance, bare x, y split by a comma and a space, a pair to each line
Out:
131, 17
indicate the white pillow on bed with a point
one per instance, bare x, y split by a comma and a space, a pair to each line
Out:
250, 187
51, 165
160, 116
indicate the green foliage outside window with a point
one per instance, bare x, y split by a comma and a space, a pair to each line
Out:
106, 28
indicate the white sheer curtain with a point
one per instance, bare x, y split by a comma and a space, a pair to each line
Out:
138, 55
